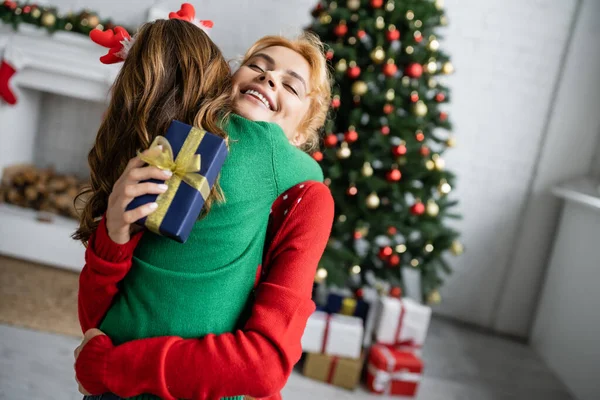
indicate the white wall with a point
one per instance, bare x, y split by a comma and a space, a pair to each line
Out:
509, 60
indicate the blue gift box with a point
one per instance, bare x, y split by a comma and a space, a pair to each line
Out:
335, 303
180, 212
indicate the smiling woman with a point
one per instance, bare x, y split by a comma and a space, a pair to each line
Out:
285, 82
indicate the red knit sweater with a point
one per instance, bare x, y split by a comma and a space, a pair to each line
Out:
256, 360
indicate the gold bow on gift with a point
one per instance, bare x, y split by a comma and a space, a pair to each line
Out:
184, 168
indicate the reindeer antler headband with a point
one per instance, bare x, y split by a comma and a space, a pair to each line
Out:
120, 41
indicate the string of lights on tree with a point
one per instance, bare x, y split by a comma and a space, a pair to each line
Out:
15, 13
384, 146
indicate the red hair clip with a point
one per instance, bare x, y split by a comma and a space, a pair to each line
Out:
118, 42
188, 13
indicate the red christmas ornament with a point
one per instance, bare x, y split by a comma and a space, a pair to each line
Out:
359, 293
376, 3
329, 54
10, 4
26, 9
385, 252
414, 70
420, 136
440, 97
340, 30
336, 102
385, 130
424, 151
392, 230
394, 175
351, 136
357, 235
318, 156
418, 208
352, 190
414, 97
392, 35
390, 69
361, 34
443, 116
388, 109
331, 140
399, 150
396, 292
394, 260
418, 38
354, 72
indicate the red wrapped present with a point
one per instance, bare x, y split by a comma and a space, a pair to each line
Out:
393, 372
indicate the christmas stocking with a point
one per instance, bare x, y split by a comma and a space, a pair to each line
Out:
12, 62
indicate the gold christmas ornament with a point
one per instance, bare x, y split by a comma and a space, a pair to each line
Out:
451, 141
36, 13
418, 23
457, 248
401, 248
353, 4
434, 45
439, 4
444, 20
344, 151
359, 88
93, 20
432, 208
409, 50
430, 165
434, 298
414, 262
354, 18
356, 269
48, 19
373, 201
444, 187
333, 5
379, 23
352, 40
390, 6
367, 170
341, 66
342, 218
428, 248
321, 275
325, 19
440, 164
432, 83
68, 26
390, 95
410, 15
432, 67
406, 81
378, 55
448, 68
420, 109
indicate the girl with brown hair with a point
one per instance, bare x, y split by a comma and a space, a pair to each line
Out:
202, 287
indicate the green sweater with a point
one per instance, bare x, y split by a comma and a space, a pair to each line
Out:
202, 286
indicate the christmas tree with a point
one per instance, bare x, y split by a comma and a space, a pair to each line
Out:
384, 146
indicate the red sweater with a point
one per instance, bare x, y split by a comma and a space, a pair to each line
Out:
256, 360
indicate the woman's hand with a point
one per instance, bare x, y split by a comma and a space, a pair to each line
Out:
118, 220
89, 334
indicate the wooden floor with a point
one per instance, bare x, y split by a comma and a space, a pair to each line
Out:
460, 364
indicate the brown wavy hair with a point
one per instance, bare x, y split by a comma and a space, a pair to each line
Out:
173, 72
309, 46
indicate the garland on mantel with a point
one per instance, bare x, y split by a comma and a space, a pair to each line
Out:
16, 13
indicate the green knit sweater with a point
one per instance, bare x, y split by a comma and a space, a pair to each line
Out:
202, 286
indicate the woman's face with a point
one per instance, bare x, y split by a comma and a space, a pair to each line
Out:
273, 86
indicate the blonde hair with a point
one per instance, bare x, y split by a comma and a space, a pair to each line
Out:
309, 46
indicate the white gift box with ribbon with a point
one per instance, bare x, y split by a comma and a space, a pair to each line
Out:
336, 335
402, 322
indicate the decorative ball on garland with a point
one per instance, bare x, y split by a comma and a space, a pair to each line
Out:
390, 95
376, 3
418, 36
399, 150
388, 109
331, 140
341, 29
444, 187
352, 191
440, 97
373, 201
318, 156
392, 230
392, 33
419, 135
390, 6
325, 19
390, 68
354, 70
414, 70
378, 55
385, 130
336, 102
341, 66
414, 96
394, 260
48, 19
353, 4
357, 235
420, 109
418, 208
359, 88
394, 175
351, 136
379, 23
424, 151
361, 34
385, 252
367, 170
448, 68
344, 151
432, 208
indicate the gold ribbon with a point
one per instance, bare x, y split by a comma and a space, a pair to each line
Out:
184, 168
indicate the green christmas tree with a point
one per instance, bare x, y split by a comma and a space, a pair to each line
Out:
384, 146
